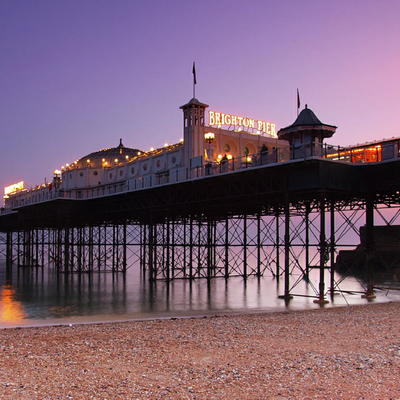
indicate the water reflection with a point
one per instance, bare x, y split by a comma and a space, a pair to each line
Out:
34, 295
10, 308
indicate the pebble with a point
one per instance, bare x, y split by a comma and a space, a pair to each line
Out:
335, 353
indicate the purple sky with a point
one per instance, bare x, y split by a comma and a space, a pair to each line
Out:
78, 75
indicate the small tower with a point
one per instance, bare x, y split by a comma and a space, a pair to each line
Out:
193, 131
306, 135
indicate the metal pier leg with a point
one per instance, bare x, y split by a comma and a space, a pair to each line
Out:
258, 245
227, 248
124, 261
66, 249
114, 247
184, 247
173, 248
199, 249
19, 248
214, 245
323, 249
167, 264
332, 248
43, 248
151, 251
245, 247
209, 251
278, 267
9, 244
287, 295
37, 247
308, 241
59, 250
191, 249
370, 248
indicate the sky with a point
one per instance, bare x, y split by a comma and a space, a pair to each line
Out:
78, 75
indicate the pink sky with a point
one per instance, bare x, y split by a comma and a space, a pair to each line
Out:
78, 75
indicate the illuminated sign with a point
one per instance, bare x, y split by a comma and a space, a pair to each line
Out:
216, 118
13, 188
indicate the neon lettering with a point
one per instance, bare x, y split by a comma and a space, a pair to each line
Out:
211, 117
216, 118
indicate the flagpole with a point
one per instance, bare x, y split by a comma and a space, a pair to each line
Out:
194, 80
298, 102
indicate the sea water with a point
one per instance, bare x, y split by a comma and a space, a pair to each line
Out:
38, 296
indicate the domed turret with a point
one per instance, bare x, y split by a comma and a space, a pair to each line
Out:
108, 156
306, 134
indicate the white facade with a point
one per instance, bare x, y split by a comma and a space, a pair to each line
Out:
120, 168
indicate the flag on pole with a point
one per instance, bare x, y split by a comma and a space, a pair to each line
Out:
194, 73
298, 99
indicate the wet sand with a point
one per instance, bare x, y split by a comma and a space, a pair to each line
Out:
335, 353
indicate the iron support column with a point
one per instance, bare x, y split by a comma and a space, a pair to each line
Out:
287, 295
369, 243
322, 254
332, 248
226, 248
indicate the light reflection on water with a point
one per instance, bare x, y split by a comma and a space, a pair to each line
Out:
34, 296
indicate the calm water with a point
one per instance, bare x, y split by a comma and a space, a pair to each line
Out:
38, 297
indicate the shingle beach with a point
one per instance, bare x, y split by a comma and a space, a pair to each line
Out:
334, 353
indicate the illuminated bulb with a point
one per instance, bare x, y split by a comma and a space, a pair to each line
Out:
67, 165
219, 156
106, 163
88, 161
103, 159
248, 159
151, 148
126, 157
139, 153
181, 140
165, 144
62, 167
229, 156
116, 160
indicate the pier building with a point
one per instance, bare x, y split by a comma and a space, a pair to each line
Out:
228, 141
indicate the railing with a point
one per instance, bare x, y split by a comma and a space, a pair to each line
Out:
373, 153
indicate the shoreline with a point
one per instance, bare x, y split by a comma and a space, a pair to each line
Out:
100, 319
350, 352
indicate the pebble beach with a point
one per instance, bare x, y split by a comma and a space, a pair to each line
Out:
334, 353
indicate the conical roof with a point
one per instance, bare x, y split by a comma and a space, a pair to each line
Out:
307, 120
194, 102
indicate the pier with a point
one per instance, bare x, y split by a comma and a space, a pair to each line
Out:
267, 219
189, 213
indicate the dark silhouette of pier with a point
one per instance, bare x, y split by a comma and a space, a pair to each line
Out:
271, 218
